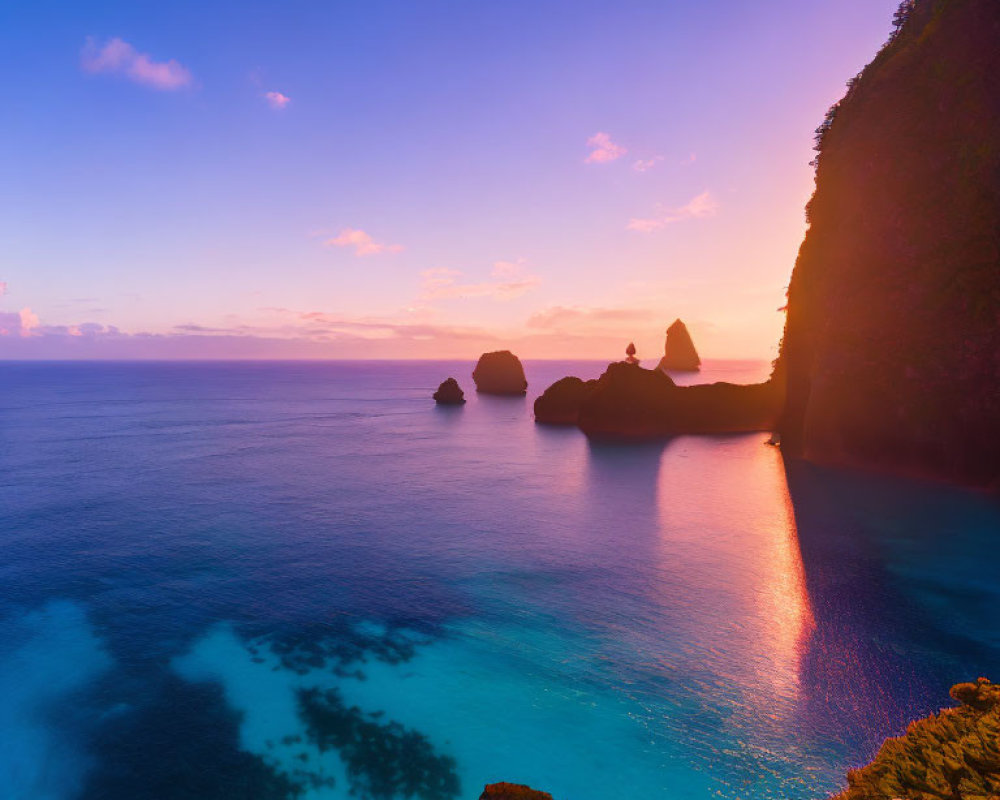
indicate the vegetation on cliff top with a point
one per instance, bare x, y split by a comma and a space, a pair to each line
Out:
953, 755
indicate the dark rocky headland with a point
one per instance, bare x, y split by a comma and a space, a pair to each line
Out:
628, 401
892, 339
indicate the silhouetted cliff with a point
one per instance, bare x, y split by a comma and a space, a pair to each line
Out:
631, 402
892, 340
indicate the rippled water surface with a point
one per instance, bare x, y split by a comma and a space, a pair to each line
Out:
304, 580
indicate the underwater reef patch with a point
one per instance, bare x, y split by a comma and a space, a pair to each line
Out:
181, 743
339, 648
383, 759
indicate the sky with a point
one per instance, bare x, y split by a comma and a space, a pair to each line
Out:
400, 179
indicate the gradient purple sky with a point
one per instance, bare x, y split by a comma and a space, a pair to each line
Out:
396, 179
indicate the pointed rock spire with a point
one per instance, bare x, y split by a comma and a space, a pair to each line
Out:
679, 353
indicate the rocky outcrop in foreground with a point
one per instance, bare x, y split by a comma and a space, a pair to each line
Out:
892, 339
512, 791
499, 372
631, 402
449, 393
678, 352
954, 755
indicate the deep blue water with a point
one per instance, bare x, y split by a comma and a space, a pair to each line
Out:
304, 580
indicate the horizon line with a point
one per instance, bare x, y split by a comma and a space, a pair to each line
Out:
236, 360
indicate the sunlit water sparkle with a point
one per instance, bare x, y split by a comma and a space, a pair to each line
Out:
190, 549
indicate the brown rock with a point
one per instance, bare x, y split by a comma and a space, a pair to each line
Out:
499, 372
630, 354
678, 352
512, 791
560, 403
449, 393
633, 402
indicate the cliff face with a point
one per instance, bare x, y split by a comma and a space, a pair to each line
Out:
892, 340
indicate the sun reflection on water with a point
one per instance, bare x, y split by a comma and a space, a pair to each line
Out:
730, 545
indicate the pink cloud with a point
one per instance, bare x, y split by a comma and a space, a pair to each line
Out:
646, 164
3, 288
29, 321
119, 57
26, 325
277, 100
362, 243
509, 280
704, 205
603, 149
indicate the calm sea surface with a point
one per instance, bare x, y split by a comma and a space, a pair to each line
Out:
304, 580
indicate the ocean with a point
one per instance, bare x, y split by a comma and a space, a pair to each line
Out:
304, 580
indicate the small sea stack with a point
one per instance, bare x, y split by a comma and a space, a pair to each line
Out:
678, 352
512, 791
500, 372
449, 393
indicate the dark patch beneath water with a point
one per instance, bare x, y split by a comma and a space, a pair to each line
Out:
180, 743
383, 759
340, 647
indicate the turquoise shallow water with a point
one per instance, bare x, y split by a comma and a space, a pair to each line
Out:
304, 580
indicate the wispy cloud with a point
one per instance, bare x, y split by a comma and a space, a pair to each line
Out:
704, 205
508, 279
603, 149
277, 100
577, 320
363, 243
119, 57
646, 164
3, 288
